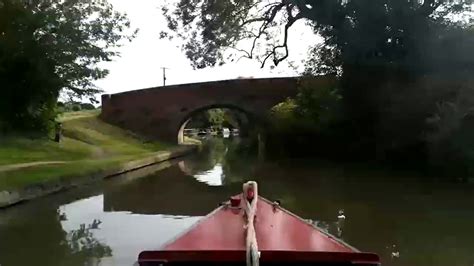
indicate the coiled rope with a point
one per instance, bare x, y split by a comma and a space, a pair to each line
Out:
250, 198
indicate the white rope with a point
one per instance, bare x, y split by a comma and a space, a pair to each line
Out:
250, 209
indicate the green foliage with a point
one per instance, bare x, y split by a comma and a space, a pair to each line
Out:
216, 117
323, 60
376, 44
450, 139
218, 23
74, 106
83, 244
309, 123
314, 108
321, 105
48, 48
284, 114
87, 106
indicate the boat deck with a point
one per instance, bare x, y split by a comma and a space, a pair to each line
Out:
281, 236
276, 230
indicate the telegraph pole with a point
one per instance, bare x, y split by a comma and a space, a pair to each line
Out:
164, 75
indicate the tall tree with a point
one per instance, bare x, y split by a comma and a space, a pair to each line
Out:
369, 43
364, 30
49, 47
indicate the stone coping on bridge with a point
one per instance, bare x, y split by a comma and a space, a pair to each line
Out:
11, 197
194, 85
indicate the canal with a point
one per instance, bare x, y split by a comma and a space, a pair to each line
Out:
406, 218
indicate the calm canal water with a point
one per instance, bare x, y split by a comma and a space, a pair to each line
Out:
405, 218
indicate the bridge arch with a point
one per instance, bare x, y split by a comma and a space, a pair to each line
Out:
251, 118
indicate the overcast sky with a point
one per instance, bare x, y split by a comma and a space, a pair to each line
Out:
141, 60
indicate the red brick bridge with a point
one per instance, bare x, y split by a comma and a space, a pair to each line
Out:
162, 112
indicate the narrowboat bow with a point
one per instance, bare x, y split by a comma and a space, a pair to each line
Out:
251, 230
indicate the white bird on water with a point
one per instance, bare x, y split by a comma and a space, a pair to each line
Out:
341, 215
394, 252
340, 222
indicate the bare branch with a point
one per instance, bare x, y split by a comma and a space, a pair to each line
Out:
246, 9
266, 58
247, 54
276, 60
252, 21
261, 31
267, 18
269, 15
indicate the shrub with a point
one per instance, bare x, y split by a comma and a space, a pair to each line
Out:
313, 109
451, 135
87, 106
76, 107
311, 119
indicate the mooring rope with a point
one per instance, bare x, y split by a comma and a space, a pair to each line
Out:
250, 198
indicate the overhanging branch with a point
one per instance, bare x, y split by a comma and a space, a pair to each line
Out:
276, 60
267, 19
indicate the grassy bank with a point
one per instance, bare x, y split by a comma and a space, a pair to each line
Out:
192, 141
88, 144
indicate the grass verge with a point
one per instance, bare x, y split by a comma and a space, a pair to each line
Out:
88, 145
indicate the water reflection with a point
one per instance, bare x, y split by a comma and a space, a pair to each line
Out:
222, 161
212, 177
88, 236
36, 237
335, 227
82, 243
408, 220
125, 233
